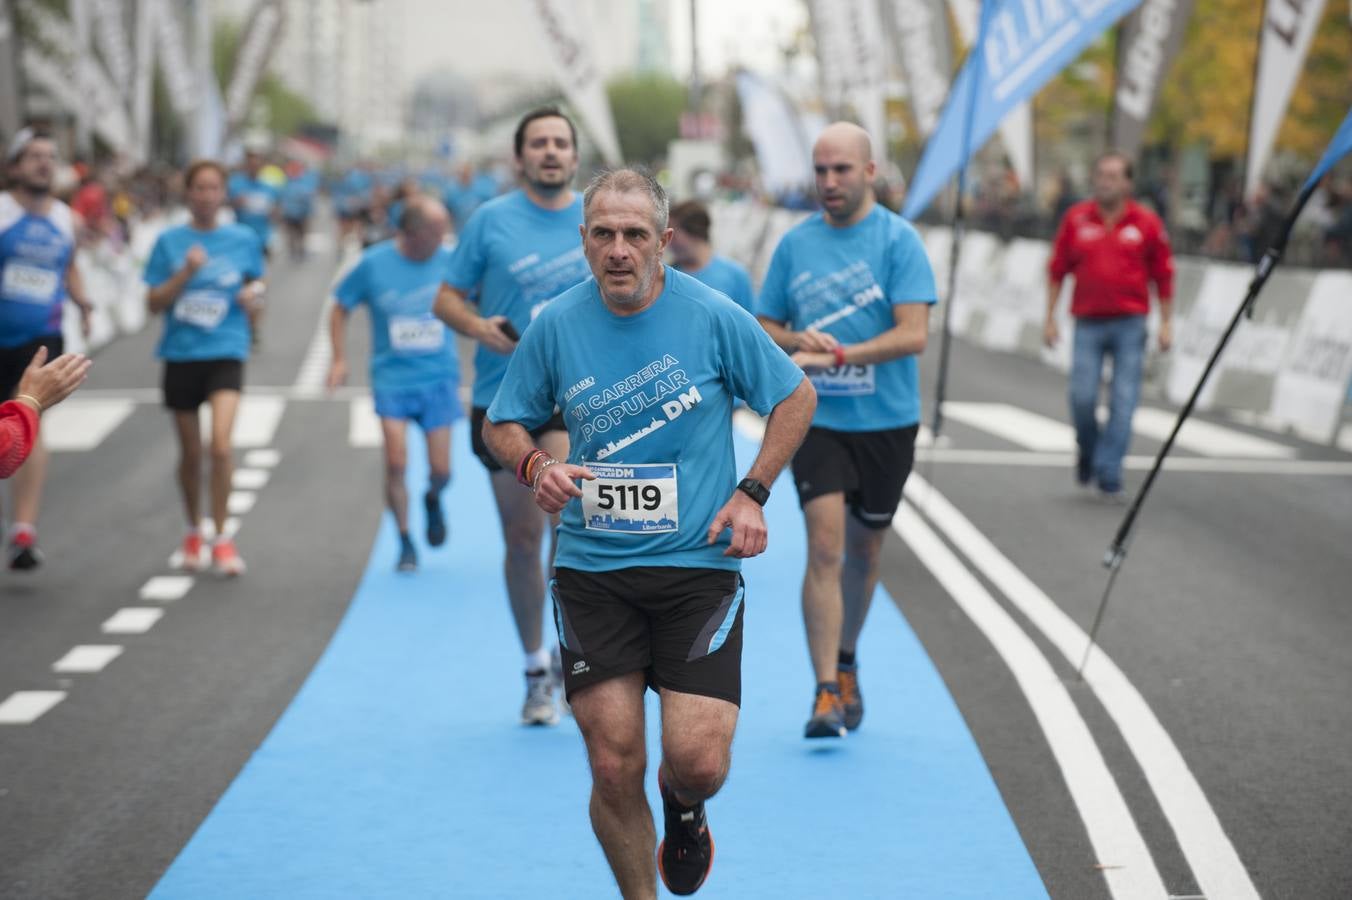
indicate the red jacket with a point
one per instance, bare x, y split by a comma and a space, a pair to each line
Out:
1113, 267
18, 431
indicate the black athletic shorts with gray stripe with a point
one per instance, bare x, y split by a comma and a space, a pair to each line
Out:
681, 627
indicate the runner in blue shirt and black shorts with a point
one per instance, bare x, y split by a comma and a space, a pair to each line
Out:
644, 362
848, 293
207, 280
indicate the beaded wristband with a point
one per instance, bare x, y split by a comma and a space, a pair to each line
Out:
523, 467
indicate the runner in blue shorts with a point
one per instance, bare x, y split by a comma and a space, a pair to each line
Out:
37, 276
520, 251
644, 362
414, 371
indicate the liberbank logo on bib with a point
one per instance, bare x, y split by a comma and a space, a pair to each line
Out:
655, 395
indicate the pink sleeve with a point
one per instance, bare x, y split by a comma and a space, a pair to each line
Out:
18, 431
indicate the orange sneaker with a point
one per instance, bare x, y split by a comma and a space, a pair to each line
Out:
828, 716
191, 554
850, 699
226, 559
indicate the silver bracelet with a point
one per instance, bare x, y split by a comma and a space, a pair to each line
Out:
539, 473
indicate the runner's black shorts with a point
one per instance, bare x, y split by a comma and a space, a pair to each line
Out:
13, 360
187, 385
681, 627
870, 467
476, 435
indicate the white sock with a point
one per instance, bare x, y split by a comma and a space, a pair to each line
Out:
538, 661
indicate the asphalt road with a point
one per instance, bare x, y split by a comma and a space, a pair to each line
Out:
1228, 624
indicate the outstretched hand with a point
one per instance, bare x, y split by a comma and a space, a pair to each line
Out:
51, 382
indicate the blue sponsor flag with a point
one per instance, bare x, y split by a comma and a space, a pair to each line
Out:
1023, 44
1340, 146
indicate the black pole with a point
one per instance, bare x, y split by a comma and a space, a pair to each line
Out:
1116, 553
959, 229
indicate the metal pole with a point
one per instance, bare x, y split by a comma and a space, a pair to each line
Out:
695, 87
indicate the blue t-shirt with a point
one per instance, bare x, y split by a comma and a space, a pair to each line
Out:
730, 277
206, 320
35, 252
648, 402
520, 257
410, 346
352, 194
298, 195
254, 202
845, 281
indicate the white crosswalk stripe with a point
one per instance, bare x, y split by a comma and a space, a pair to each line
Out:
83, 424
363, 426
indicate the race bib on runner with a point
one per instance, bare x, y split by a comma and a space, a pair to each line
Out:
637, 499
844, 381
416, 334
204, 309
29, 284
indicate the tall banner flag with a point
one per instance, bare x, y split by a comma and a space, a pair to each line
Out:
849, 39
1150, 40
11, 90
1288, 29
261, 34
1340, 146
1016, 128
171, 45
567, 40
782, 152
1027, 42
919, 30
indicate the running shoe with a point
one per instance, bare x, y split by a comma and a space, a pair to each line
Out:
408, 556
191, 553
851, 700
686, 853
556, 676
828, 716
539, 708
436, 519
24, 555
225, 559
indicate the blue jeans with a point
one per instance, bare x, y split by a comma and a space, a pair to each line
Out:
1101, 450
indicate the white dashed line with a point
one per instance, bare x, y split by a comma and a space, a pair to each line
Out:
25, 707
82, 423
250, 479
87, 658
363, 426
166, 588
133, 620
266, 458
240, 502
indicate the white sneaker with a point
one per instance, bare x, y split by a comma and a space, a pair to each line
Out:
539, 708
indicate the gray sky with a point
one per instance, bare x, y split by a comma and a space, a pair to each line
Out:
480, 38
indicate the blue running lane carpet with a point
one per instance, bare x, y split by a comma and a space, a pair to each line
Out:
399, 770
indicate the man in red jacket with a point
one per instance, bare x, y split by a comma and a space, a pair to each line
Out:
41, 387
1115, 248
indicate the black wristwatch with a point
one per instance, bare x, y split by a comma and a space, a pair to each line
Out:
755, 490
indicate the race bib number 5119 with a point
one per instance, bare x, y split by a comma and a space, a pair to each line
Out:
637, 499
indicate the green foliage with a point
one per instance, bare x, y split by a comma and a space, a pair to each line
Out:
285, 110
647, 109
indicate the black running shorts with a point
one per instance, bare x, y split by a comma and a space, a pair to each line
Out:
681, 627
870, 467
187, 385
13, 360
476, 435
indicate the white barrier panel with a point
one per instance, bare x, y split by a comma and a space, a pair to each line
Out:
1312, 383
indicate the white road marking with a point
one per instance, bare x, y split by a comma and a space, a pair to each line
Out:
257, 421
363, 425
263, 459
166, 588
1345, 438
240, 502
25, 707
87, 658
1206, 438
1208, 851
250, 479
82, 423
1142, 463
1112, 831
133, 620
1014, 424
315, 367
